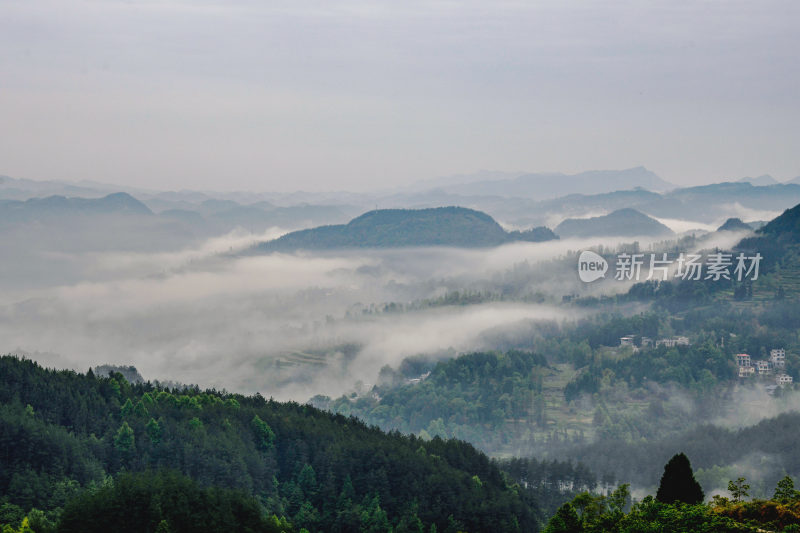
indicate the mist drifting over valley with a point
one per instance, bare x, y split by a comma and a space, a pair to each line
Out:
399, 267
437, 322
211, 316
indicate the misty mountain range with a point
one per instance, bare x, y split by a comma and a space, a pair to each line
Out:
553, 185
34, 210
483, 184
47, 218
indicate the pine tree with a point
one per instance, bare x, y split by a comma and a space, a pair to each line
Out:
373, 518
564, 521
678, 483
140, 410
126, 409
153, 431
124, 439
785, 492
263, 433
410, 522
307, 481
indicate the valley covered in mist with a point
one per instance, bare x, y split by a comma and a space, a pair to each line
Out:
184, 302
437, 322
399, 267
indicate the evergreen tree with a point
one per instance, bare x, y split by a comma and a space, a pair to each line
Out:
785, 492
307, 480
373, 518
410, 522
140, 409
564, 521
124, 439
153, 431
127, 408
263, 433
678, 483
11, 514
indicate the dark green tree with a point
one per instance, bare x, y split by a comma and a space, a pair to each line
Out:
307, 481
140, 409
564, 521
263, 433
738, 489
410, 522
678, 483
40, 523
153, 430
785, 491
373, 518
124, 439
127, 408
11, 514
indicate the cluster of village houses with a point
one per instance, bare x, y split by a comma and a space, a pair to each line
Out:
670, 342
775, 365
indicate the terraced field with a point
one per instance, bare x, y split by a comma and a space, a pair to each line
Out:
301, 359
767, 287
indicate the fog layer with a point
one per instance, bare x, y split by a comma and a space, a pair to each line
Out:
287, 325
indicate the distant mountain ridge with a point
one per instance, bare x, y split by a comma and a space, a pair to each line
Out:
396, 228
194, 214
543, 186
116, 203
621, 223
762, 180
704, 203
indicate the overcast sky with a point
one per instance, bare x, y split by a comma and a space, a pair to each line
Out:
329, 95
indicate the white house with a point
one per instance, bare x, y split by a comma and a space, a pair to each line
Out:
674, 341
778, 358
763, 367
627, 340
784, 379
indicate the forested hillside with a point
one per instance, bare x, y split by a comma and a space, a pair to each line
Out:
391, 228
578, 383
623, 222
263, 465
466, 397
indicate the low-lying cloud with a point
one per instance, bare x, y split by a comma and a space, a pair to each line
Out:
287, 325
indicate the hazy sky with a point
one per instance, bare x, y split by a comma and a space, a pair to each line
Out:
320, 95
